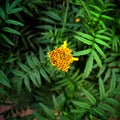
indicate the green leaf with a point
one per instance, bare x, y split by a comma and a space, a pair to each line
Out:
63, 82
81, 104
37, 76
47, 111
10, 60
95, 7
84, 35
83, 52
113, 102
53, 15
61, 99
107, 75
78, 80
30, 62
94, 14
113, 82
100, 31
2, 14
7, 39
10, 8
35, 60
100, 51
10, 30
23, 67
41, 54
101, 71
101, 2
85, 41
18, 73
74, 75
98, 111
43, 73
56, 104
79, 111
3, 79
4, 82
90, 97
101, 89
94, 19
115, 43
112, 64
14, 22
28, 12
110, 110
48, 20
70, 87
102, 42
2, 91
19, 85
33, 79
107, 17
46, 27
103, 37
7, 4
88, 67
14, 4
15, 10
97, 59
27, 83
109, 59
102, 24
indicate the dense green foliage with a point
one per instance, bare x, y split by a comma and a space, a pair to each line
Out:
29, 29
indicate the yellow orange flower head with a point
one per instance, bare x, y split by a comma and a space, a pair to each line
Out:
61, 57
77, 20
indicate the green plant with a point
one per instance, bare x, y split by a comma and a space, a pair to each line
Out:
30, 29
6, 21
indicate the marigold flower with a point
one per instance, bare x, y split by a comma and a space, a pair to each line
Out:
61, 57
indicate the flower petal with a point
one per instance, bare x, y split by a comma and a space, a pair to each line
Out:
75, 59
64, 44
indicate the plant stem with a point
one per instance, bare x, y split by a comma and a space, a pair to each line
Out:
65, 17
83, 4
